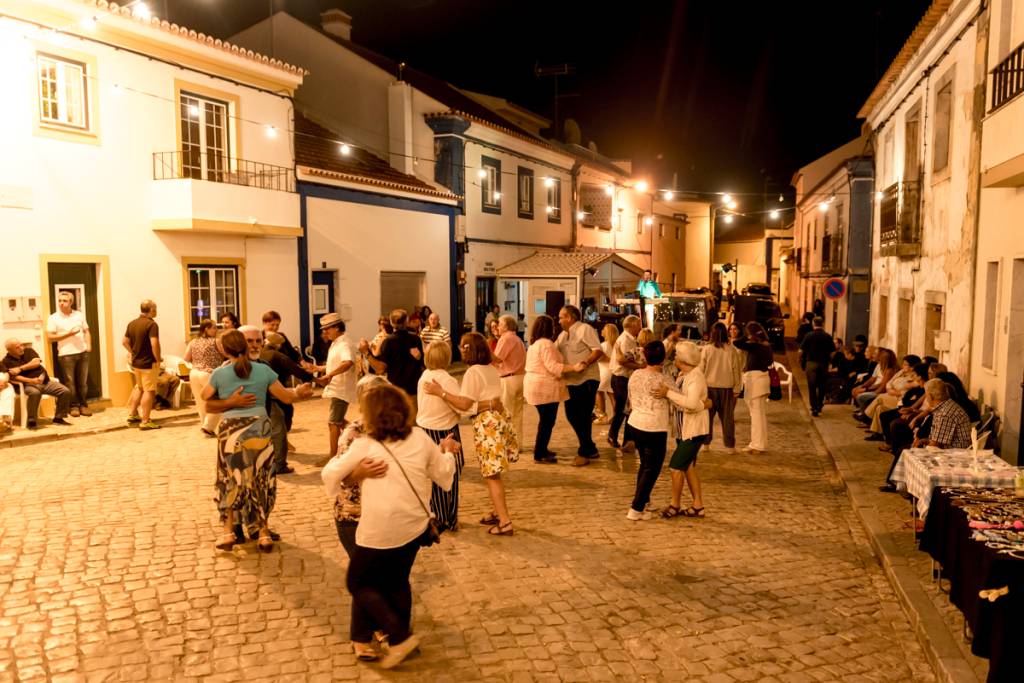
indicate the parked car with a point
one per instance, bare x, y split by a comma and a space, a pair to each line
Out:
764, 311
758, 289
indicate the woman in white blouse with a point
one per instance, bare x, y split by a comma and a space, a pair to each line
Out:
394, 514
649, 424
494, 438
690, 424
440, 421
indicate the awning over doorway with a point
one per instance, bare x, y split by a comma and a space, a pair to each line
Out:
562, 264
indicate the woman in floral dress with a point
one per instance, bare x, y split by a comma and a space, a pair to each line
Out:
495, 439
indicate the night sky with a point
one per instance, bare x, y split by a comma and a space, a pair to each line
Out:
720, 93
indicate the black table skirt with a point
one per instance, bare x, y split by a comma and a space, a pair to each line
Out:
971, 567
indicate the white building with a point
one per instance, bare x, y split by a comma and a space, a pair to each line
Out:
141, 160
375, 239
520, 193
832, 237
997, 359
926, 122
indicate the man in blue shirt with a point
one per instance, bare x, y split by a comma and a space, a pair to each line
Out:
647, 287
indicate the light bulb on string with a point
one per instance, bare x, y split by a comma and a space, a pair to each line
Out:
345, 149
727, 218
549, 182
668, 195
774, 215
481, 174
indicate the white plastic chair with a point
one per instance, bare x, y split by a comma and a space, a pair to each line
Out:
785, 378
23, 405
173, 365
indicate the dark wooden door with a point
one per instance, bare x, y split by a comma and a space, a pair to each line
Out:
554, 300
322, 304
80, 280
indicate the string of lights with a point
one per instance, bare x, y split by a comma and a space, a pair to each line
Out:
345, 147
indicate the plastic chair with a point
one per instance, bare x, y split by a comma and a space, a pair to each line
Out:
173, 365
23, 405
785, 378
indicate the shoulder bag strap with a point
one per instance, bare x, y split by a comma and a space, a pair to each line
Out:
413, 488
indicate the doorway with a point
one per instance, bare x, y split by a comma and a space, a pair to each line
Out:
1012, 444
322, 303
485, 300
932, 324
79, 279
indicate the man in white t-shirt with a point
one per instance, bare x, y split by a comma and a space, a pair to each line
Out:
579, 343
69, 328
339, 380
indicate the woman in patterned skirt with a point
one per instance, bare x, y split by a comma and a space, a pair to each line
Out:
439, 420
494, 437
246, 486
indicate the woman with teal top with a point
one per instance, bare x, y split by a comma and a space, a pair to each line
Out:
246, 485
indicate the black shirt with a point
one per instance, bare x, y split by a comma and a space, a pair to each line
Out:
139, 332
27, 355
403, 370
284, 366
818, 347
910, 396
803, 331
759, 354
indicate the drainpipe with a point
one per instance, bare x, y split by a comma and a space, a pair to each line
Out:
574, 204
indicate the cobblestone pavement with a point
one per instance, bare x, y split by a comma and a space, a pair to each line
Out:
108, 572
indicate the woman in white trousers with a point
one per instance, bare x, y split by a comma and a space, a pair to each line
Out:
756, 384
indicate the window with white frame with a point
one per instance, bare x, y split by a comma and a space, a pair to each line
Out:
525, 199
204, 137
554, 207
490, 185
212, 292
63, 92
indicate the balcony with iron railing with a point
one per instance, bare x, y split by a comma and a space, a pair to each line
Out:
1008, 78
213, 193
900, 219
217, 168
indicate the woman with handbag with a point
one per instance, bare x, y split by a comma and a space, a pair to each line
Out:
756, 384
494, 438
395, 520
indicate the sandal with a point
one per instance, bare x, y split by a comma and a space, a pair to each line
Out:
692, 512
670, 512
365, 652
502, 530
490, 519
265, 544
226, 541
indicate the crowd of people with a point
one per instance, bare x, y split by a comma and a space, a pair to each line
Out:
901, 403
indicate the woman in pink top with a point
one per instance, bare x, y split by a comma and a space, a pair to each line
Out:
544, 386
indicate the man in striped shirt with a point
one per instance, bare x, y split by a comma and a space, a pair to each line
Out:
434, 332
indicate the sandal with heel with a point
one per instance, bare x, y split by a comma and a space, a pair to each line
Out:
490, 519
692, 512
502, 529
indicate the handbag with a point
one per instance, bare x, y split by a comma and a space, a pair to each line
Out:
432, 534
775, 385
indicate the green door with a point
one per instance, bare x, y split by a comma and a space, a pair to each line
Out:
80, 280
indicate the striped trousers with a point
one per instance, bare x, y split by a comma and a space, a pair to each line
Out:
445, 504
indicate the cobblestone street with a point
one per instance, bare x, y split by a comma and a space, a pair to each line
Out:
108, 572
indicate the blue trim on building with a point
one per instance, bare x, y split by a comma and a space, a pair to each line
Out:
341, 194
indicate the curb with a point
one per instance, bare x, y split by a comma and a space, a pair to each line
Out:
941, 650
64, 436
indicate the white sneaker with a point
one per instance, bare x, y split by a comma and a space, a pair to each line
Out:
397, 653
635, 516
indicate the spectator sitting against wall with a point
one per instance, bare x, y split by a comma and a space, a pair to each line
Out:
25, 368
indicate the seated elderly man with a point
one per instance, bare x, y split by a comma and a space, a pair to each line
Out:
25, 367
951, 426
6, 403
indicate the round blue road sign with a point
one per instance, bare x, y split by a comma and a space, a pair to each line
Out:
834, 288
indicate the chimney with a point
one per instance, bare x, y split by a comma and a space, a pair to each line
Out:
336, 23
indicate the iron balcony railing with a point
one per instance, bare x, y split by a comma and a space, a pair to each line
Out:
900, 219
217, 168
1008, 78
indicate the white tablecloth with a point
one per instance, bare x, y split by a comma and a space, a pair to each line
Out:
920, 470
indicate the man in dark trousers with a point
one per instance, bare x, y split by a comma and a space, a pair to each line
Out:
401, 354
815, 354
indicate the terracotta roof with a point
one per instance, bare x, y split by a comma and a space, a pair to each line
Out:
570, 263
892, 74
317, 150
195, 36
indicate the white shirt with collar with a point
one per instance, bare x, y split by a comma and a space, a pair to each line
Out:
576, 345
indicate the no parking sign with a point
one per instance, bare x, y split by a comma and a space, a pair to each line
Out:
834, 288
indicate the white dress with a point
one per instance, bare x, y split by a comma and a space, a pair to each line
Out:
605, 367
